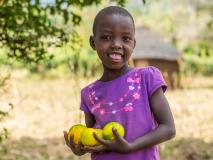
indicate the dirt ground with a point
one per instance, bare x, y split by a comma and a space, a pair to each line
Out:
43, 108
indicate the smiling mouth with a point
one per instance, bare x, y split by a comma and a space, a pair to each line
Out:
115, 57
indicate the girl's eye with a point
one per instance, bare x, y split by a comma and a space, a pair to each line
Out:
127, 39
106, 37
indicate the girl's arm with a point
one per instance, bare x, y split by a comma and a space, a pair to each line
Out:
89, 119
166, 127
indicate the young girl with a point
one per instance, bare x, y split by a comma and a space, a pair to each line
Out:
133, 97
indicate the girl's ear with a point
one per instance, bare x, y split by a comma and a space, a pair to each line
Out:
134, 42
92, 42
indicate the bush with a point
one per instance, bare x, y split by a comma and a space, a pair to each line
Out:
193, 65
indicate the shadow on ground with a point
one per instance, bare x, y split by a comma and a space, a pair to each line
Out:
54, 149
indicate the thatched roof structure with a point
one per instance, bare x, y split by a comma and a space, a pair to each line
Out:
150, 45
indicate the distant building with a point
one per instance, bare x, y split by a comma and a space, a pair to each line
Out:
151, 50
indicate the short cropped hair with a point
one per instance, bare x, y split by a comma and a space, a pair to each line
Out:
111, 10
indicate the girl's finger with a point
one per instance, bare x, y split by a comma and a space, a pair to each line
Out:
88, 149
80, 146
65, 134
117, 136
71, 141
66, 139
102, 141
95, 149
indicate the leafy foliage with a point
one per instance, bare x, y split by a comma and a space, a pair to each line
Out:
28, 28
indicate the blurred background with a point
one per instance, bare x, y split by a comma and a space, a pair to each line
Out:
45, 60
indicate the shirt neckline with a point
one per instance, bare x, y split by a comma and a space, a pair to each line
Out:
116, 79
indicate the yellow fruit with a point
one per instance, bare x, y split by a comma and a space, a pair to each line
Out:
87, 137
76, 130
99, 133
107, 130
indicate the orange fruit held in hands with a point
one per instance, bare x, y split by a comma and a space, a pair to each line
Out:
87, 137
76, 130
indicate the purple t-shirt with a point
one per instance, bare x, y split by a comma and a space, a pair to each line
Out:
125, 100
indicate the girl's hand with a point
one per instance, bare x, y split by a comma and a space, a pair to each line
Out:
119, 144
96, 149
76, 149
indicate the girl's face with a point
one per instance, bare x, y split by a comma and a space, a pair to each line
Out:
114, 40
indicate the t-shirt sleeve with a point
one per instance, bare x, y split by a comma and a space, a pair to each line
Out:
83, 105
154, 80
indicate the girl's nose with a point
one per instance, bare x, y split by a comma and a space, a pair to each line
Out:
116, 44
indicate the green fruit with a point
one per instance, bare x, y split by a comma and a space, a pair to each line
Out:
107, 130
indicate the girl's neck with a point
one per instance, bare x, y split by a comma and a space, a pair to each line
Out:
111, 74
